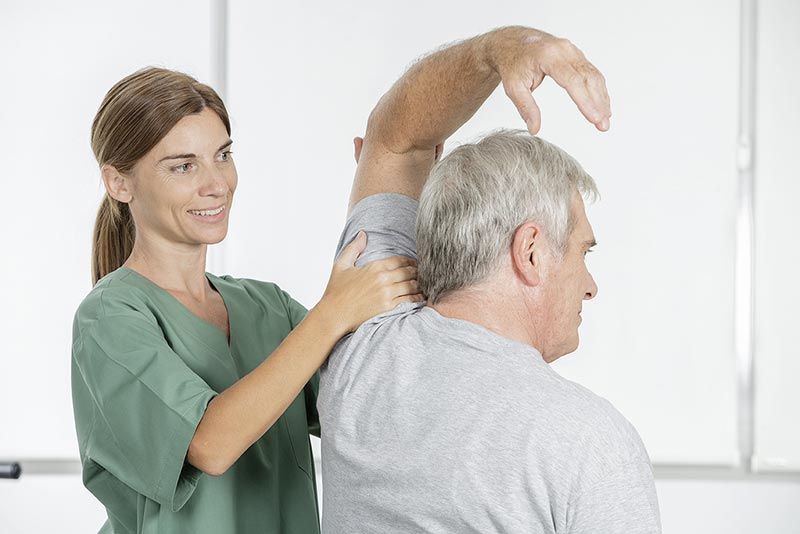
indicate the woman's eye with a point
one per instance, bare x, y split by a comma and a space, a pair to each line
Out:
183, 168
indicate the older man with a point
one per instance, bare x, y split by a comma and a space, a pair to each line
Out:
447, 417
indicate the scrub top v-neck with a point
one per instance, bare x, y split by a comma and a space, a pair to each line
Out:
144, 368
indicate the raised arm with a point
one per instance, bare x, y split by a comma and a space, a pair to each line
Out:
443, 90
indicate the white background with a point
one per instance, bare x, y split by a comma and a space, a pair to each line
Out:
301, 79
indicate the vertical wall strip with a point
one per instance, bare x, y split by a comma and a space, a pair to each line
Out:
219, 81
219, 44
745, 238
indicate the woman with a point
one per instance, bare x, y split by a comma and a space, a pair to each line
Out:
170, 376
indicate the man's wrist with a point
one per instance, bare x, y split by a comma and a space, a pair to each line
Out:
498, 46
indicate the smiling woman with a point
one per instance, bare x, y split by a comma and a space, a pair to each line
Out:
194, 394
182, 189
125, 129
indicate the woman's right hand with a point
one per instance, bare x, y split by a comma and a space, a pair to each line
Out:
354, 294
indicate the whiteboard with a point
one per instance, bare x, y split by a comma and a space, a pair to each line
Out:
658, 340
59, 60
777, 190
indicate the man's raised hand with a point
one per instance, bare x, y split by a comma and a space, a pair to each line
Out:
524, 56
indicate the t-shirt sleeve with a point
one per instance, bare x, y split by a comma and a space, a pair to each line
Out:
146, 401
389, 219
623, 502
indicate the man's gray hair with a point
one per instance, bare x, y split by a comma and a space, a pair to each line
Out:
480, 194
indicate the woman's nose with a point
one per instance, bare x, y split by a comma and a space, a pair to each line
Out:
214, 182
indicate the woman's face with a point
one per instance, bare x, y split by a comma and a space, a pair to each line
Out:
181, 191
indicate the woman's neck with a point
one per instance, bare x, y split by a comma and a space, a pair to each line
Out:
175, 267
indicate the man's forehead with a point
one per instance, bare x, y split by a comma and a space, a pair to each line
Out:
582, 233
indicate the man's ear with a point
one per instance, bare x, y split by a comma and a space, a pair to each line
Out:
527, 253
117, 185
358, 144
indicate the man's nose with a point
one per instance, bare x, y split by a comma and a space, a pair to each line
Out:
591, 292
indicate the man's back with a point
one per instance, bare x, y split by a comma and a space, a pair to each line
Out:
432, 424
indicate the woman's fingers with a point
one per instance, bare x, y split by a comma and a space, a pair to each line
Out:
395, 262
401, 274
351, 252
407, 287
417, 297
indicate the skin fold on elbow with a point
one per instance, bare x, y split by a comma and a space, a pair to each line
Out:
204, 457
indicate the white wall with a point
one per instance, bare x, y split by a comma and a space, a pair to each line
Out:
302, 79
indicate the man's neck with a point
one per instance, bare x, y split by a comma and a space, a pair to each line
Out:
493, 307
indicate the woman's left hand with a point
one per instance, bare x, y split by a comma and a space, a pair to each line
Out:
354, 294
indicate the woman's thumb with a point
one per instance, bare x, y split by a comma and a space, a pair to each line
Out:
352, 251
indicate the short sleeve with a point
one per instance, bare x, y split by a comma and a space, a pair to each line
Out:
623, 502
296, 311
145, 404
389, 219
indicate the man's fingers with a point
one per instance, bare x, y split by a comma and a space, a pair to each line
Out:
352, 251
587, 88
520, 94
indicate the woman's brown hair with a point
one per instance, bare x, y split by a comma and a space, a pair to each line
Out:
135, 115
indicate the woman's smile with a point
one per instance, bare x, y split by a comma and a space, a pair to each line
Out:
210, 215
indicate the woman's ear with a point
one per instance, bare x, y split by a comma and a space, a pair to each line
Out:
117, 185
527, 250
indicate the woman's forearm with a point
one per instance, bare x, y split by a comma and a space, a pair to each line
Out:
241, 414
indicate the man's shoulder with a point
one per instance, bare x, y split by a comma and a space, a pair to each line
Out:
590, 422
389, 220
388, 328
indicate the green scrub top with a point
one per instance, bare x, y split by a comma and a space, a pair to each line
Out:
144, 368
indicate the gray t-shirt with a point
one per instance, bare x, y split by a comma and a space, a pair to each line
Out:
431, 424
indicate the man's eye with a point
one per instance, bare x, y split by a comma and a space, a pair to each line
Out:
225, 156
588, 251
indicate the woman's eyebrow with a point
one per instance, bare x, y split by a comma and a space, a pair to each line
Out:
227, 143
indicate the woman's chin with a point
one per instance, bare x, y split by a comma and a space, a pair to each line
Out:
211, 237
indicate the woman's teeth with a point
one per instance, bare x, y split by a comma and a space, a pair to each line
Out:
207, 213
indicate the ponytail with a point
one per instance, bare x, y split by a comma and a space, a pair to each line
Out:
113, 237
